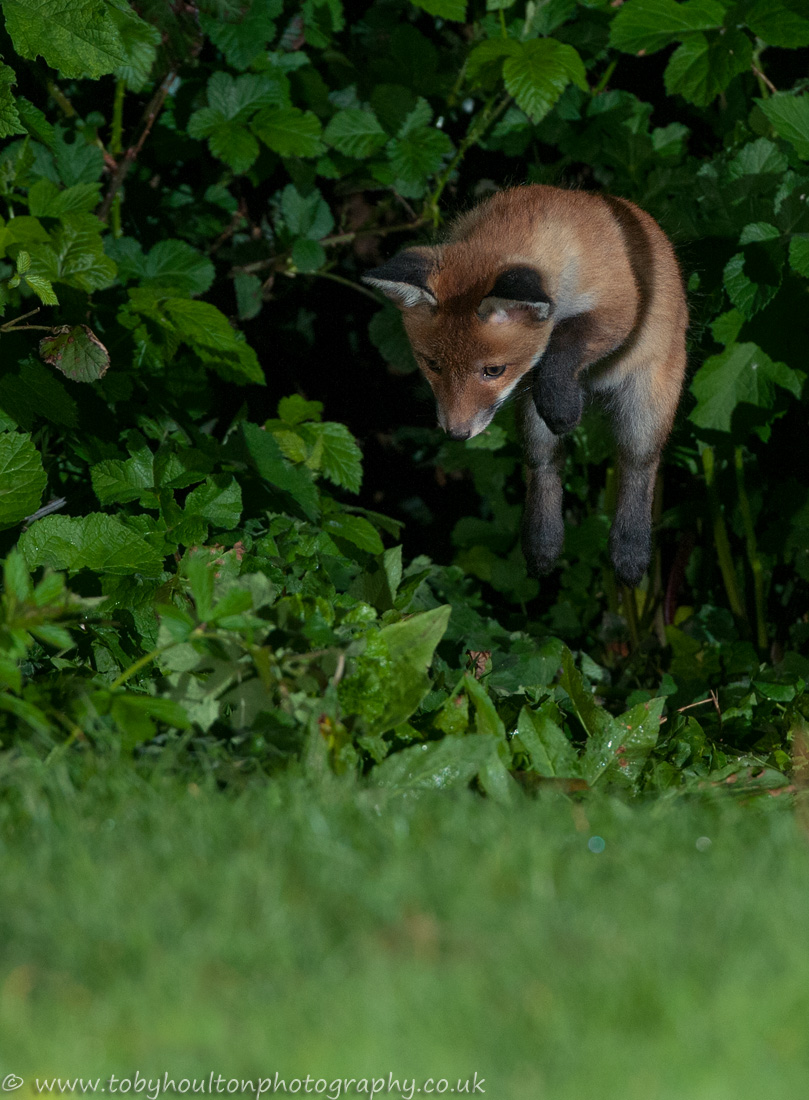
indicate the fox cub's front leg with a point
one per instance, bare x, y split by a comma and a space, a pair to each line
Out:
543, 531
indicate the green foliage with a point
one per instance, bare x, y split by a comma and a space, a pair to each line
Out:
170, 242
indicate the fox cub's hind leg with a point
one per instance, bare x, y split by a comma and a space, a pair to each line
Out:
543, 530
642, 413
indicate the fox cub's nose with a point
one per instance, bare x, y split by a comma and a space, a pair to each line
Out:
458, 433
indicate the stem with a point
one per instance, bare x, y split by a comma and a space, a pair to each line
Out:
15, 326
479, 125
116, 145
503, 28
631, 613
752, 551
153, 109
62, 101
720, 534
605, 79
141, 662
345, 282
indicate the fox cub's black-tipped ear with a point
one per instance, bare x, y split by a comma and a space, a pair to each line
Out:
517, 291
404, 278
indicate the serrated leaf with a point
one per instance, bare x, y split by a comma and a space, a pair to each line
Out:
100, 543
43, 289
274, 468
789, 117
296, 409
235, 145
799, 254
418, 155
289, 131
9, 115
175, 264
648, 25
75, 255
139, 41
243, 39
355, 133
76, 352
306, 215
218, 501
308, 256
118, 480
207, 331
444, 9
248, 295
485, 62
236, 98
741, 373
538, 75
22, 478
341, 458
46, 200
702, 67
388, 336
780, 22
78, 37
355, 530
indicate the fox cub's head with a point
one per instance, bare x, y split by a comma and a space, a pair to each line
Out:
474, 337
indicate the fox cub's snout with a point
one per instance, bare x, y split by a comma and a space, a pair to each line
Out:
545, 295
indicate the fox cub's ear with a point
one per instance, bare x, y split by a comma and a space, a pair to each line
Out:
404, 278
517, 294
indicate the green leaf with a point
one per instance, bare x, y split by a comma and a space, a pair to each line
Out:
22, 478
780, 22
703, 67
388, 336
552, 754
96, 542
645, 26
242, 40
799, 254
410, 645
341, 458
274, 468
76, 352
418, 151
121, 480
139, 41
356, 530
487, 720
78, 37
296, 409
355, 133
438, 765
603, 732
46, 200
9, 115
218, 501
444, 9
528, 665
306, 215
289, 131
640, 731
206, 330
248, 295
789, 117
75, 255
175, 264
741, 373
485, 63
538, 75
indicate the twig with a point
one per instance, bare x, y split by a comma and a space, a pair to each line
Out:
345, 282
153, 109
752, 551
62, 101
721, 540
763, 79
15, 326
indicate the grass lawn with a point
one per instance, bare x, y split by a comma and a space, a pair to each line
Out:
328, 930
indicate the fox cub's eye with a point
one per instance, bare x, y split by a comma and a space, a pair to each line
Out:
431, 364
493, 372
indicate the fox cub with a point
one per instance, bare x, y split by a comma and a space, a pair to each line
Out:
550, 295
